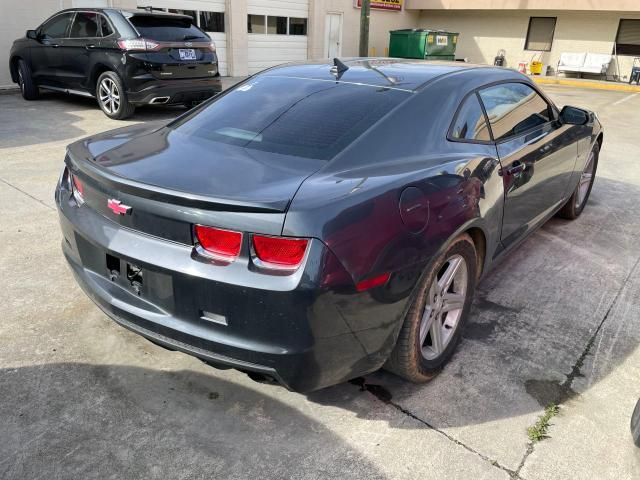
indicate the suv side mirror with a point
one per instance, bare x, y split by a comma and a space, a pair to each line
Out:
573, 116
32, 34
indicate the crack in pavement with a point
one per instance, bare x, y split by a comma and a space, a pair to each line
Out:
512, 474
565, 388
9, 184
384, 397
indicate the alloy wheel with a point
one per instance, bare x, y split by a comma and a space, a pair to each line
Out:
585, 180
109, 96
443, 310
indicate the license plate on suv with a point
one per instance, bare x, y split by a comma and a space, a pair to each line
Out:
187, 53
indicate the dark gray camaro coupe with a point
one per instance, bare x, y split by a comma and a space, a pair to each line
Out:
319, 221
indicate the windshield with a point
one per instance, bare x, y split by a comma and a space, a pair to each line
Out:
167, 29
302, 117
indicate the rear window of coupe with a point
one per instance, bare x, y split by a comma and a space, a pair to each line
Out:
301, 117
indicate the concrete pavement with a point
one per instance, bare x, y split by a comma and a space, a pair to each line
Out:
557, 321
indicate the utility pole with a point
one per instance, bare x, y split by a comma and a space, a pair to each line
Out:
365, 10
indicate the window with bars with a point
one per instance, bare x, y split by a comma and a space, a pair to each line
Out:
207, 21
628, 38
273, 25
212, 21
540, 34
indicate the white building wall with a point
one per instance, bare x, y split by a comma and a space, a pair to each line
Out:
266, 50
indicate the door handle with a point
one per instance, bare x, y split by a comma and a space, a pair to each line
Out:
516, 167
91, 46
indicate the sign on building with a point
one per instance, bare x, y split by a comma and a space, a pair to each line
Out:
395, 5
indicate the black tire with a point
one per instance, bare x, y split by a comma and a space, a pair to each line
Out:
28, 87
635, 424
575, 205
407, 359
115, 105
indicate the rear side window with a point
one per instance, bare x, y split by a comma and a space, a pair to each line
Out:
470, 123
306, 118
57, 26
514, 108
105, 26
166, 29
85, 25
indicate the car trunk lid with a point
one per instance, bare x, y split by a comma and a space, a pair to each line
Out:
171, 182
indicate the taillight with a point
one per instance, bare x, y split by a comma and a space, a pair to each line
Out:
212, 47
77, 189
219, 244
280, 253
140, 44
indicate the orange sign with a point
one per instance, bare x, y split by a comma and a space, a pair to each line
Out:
394, 5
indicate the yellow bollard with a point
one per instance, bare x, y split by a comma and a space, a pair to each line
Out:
372, 52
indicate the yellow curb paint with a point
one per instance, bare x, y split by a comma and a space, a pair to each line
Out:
618, 87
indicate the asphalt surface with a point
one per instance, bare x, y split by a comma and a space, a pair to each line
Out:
557, 321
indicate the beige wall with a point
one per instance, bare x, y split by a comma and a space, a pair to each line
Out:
17, 16
380, 24
587, 5
483, 33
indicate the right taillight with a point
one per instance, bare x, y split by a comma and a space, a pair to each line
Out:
280, 253
139, 44
217, 243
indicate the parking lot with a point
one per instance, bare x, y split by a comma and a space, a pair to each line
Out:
556, 322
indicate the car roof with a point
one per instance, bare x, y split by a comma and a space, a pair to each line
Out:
127, 11
394, 73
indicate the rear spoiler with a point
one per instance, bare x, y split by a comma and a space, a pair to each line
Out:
79, 161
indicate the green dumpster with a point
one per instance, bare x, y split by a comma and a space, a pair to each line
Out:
423, 43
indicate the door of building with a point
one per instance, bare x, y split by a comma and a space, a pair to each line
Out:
333, 36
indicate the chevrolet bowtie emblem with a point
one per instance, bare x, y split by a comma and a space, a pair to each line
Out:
117, 207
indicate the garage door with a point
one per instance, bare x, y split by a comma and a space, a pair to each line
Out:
208, 15
277, 32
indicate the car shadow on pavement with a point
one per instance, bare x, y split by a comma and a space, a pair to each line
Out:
55, 117
554, 318
77, 420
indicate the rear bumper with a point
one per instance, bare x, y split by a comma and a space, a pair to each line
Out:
301, 335
176, 91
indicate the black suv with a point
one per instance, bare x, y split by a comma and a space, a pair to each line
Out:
123, 58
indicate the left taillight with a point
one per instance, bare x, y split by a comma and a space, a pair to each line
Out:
219, 244
279, 253
77, 189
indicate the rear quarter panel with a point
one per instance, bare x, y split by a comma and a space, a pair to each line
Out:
353, 203
353, 206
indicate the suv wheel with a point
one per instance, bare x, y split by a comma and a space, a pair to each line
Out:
433, 325
28, 88
112, 97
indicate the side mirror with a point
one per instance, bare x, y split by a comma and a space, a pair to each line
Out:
573, 116
32, 34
